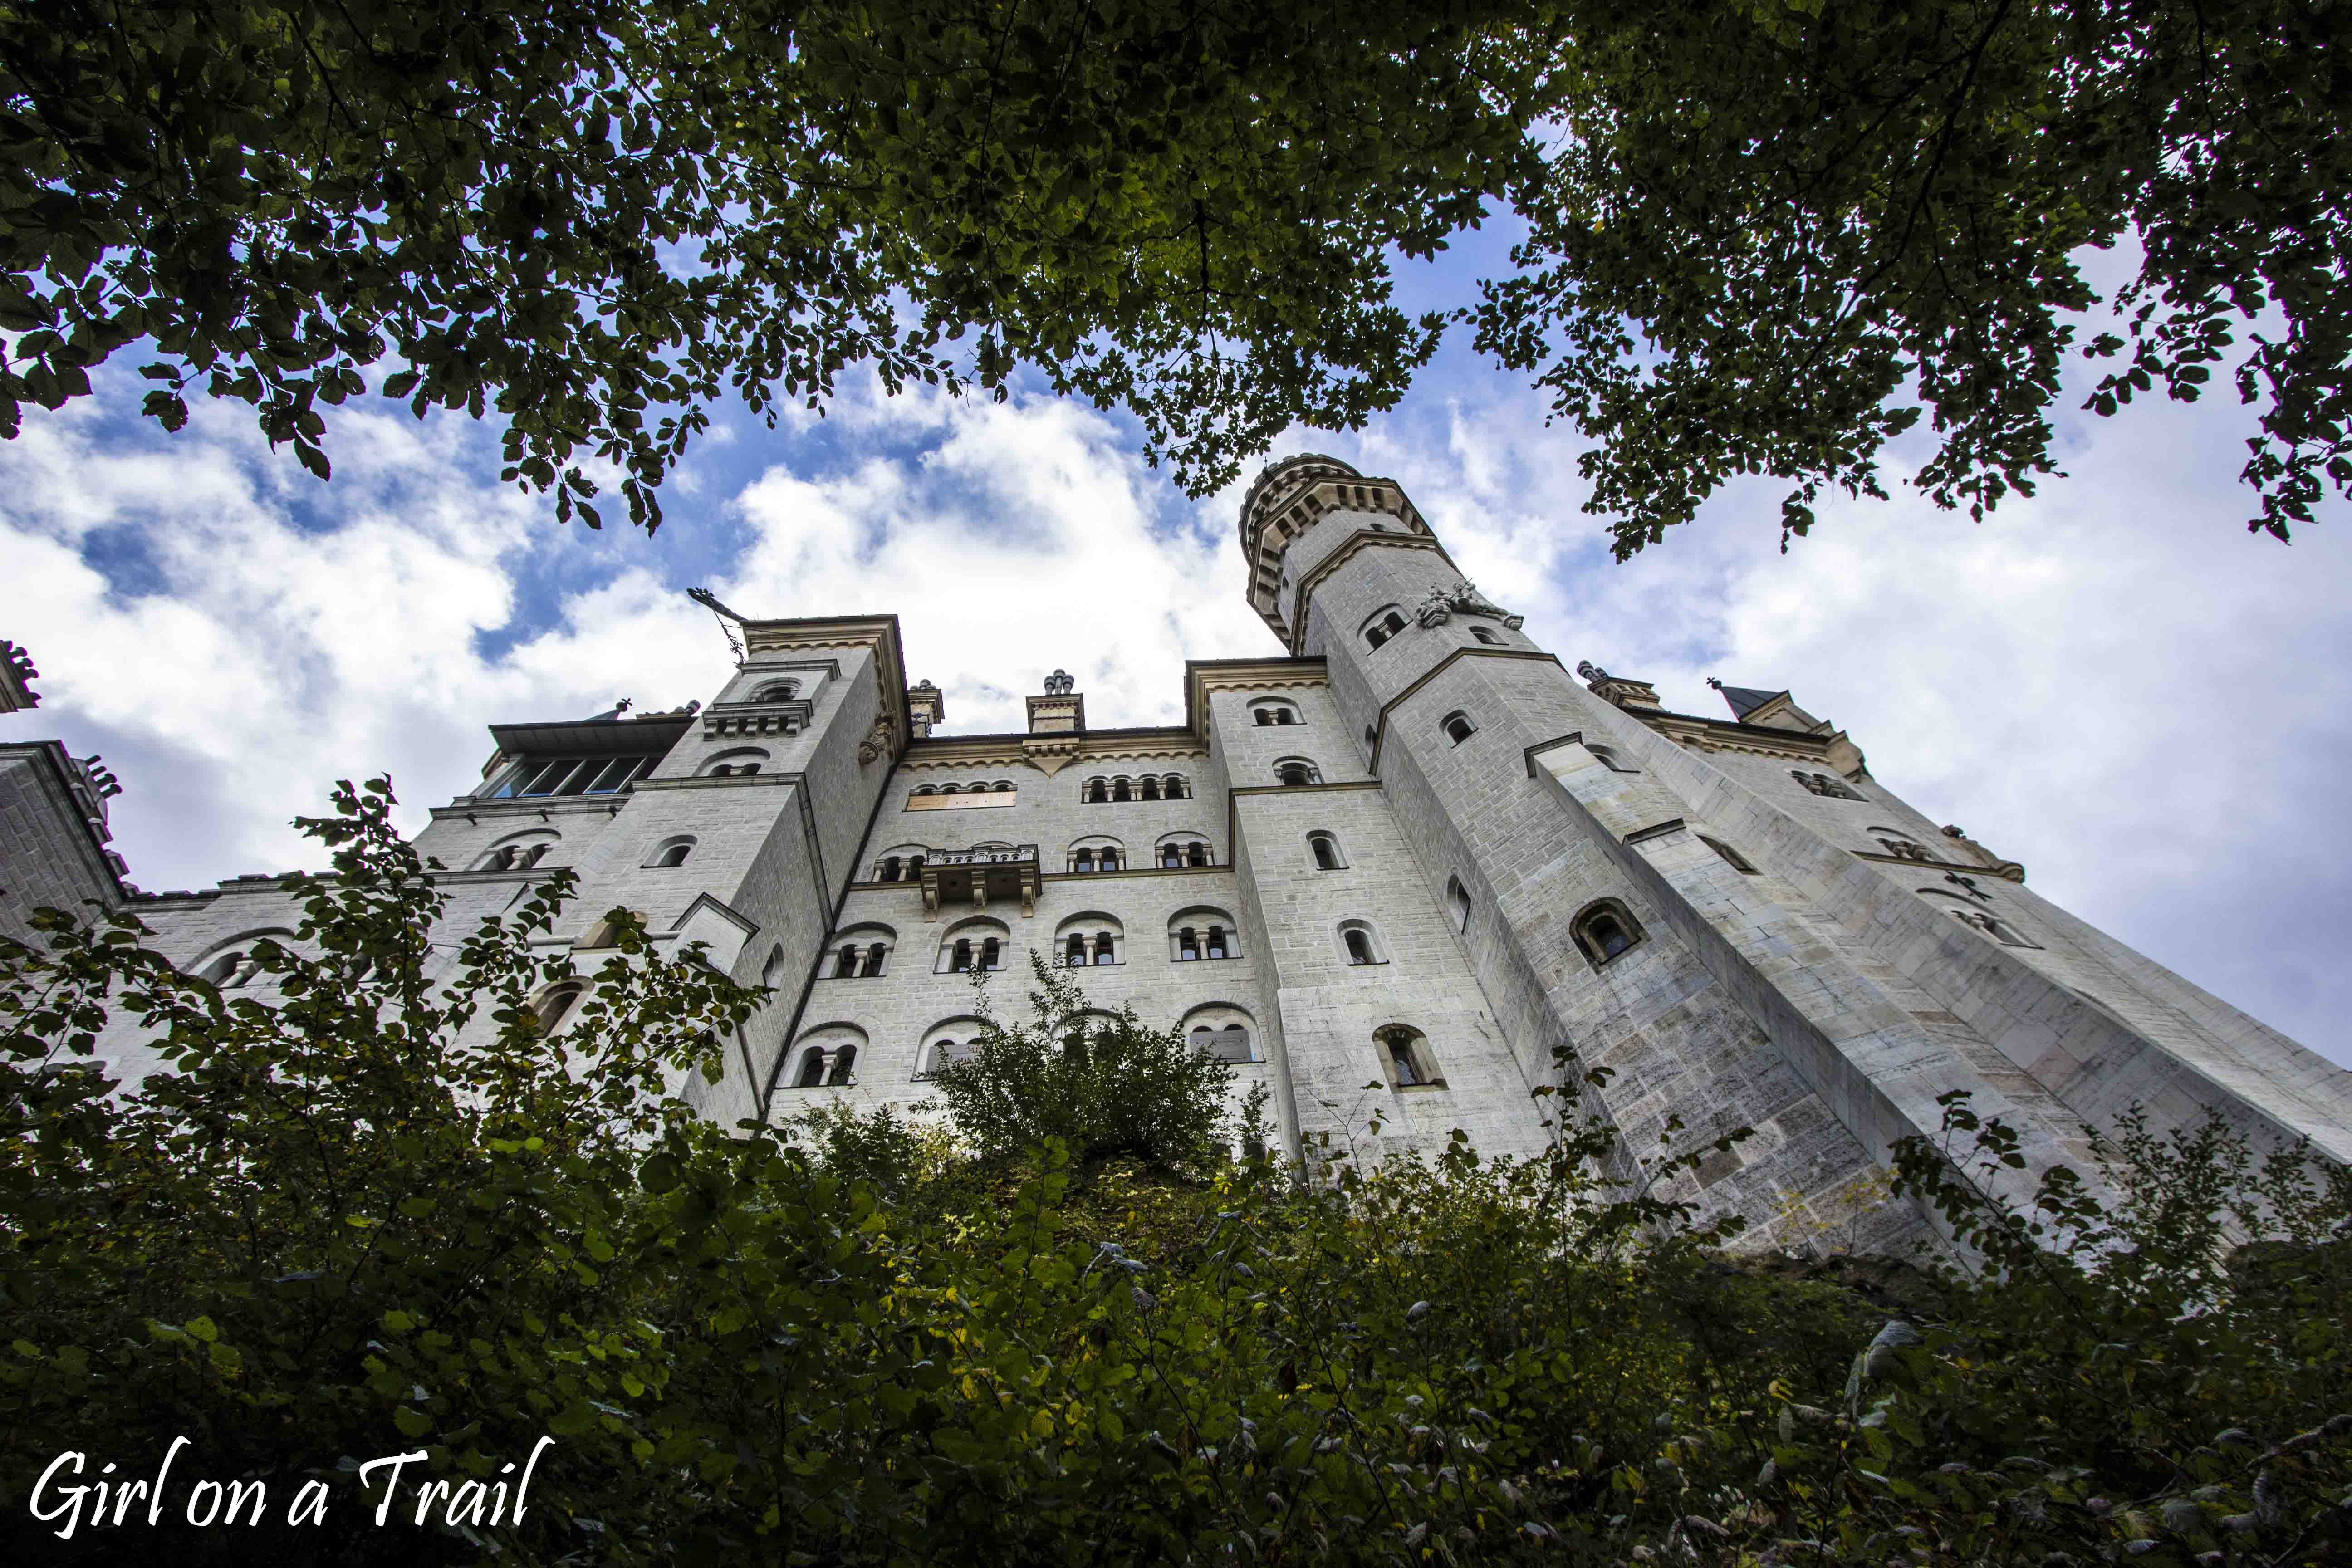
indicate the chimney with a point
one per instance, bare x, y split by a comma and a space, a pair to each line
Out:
1059, 711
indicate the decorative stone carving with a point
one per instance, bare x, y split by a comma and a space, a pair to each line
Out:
1443, 603
878, 740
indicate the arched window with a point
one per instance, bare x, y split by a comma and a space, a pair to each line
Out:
860, 951
1731, 857
992, 953
960, 956
1823, 784
773, 970
1326, 850
518, 852
811, 1073
1170, 856
1603, 930
950, 789
778, 691
1295, 773
556, 1007
502, 858
1263, 716
1230, 1044
1457, 727
1121, 790
1150, 787
889, 869
1176, 788
671, 852
1074, 951
1457, 902
1202, 932
1484, 635
1098, 792
1196, 853
1108, 860
1383, 625
875, 953
950, 1040
1272, 710
845, 963
1360, 944
1611, 759
537, 852
742, 760
1405, 1056
845, 1065
1082, 860
1104, 952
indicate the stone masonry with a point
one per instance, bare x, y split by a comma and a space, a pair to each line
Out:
1400, 869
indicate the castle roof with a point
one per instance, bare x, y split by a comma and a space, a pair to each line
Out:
1745, 700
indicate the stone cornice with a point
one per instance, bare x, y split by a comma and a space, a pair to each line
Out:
1294, 632
544, 806
961, 752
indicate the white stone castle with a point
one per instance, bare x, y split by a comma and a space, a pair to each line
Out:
1393, 870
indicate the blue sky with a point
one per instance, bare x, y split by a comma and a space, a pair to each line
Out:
2111, 682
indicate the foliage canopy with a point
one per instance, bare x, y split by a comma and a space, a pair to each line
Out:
373, 1208
1761, 238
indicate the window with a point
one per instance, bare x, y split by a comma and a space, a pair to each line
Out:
950, 1040
860, 951
1108, 860
890, 872
1074, 951
1295, 772
778, 691
845, 966
1484, 635
1199, 933
1230, 1044
974, 945
1272, 710
960, 956
1082, 860
1176, 786
812, 1068
1406, 1059
1150, 787
740, 763
874, 954
1605, 929
773, 970
570, 776
1360, 944
1383, 625
518, 853
1611, 759
230, 970
1326, 850
671, 852
556, 1007
1104, 952
1732, 858
1120, 790
1098, 792
1823, 784
1196, 853
992, 953
1458, 728
1457, 902
844, 1061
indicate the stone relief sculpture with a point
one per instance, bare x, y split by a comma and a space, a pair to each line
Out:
1443, 603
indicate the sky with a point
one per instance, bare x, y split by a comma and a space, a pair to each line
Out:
2110, 681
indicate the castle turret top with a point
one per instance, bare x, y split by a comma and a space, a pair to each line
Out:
1286, 500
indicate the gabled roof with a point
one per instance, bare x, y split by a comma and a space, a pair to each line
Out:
1745, 699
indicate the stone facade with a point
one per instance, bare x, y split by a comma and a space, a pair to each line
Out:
1410, 861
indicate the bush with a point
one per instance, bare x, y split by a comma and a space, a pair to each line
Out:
333, 1232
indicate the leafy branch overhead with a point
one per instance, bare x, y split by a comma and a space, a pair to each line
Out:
1759, 238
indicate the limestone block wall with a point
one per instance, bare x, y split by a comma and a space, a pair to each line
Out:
47, 856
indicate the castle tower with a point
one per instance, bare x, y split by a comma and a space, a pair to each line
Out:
1736, 919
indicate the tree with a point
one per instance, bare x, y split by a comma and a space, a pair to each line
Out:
1101, 1085
1771, 237
597, 217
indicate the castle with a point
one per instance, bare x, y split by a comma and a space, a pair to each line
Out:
1392, 870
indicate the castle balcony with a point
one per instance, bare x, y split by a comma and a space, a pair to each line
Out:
726, 719
957, 877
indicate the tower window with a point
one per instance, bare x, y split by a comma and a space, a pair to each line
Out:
1457, 902
1383, 624
889, 869
1605, 929
1150, 787
844, 1061
1357, 942
1326, 850
1084, 860
1104, 951
1484, 635
1458, 728
1108, 860
1404, 1052
960, 956
1611, 759
1074, 953
874, 956
992, 953
1196, 854
1295, 773
1120, 790
845, 963
1098, 792
1188, 945
812, 1068
670, 852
